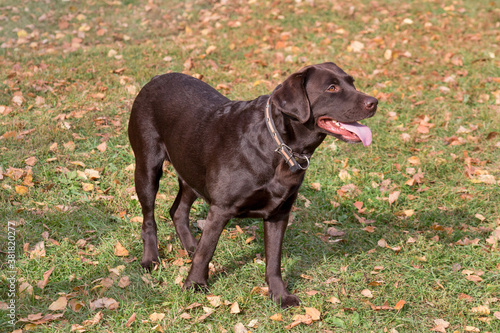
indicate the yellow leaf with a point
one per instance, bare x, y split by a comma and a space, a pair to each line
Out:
120, 251
87, 187
313, 312
22, 190
276, 317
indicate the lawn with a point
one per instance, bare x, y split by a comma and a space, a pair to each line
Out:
400, 236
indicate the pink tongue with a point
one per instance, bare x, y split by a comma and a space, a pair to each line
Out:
362, 131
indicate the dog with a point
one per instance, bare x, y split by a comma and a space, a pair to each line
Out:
244, 158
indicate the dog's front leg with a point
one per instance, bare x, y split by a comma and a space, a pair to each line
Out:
274, 231
198, 275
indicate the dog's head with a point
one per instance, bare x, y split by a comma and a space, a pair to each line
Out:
327, 94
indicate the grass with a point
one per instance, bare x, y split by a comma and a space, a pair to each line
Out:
78, 66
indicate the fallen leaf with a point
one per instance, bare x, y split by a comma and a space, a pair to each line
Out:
208, 311
414, 160
58, 305
102, 147
482, 310
333, 300
399, 305
276, 317
313, 312
496, 314
185, 315
120, 251
130, 320
382, 243
235, 308
367, 293
394, 196
240, 328
97, 318
77, 328
22, 190
124, 282
108, 303
42, 283
316, 186
75, 305
215, 301
472, 329
332, 231
369, 229
156, 316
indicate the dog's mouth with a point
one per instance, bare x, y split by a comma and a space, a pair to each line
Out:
349, 132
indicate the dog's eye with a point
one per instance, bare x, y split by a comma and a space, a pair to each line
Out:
332, 88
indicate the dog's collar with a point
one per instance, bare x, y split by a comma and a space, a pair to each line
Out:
283, 149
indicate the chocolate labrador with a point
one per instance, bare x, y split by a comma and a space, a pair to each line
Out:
244, 158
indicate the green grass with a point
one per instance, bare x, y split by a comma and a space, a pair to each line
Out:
444, 66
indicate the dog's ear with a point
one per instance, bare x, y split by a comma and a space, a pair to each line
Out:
291, 97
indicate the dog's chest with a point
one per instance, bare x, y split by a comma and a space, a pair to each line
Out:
267, 200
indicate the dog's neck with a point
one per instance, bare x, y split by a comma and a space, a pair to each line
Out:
299, 140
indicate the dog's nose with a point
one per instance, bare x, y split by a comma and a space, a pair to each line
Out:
371, 103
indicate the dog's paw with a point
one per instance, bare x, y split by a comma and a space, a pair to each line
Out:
288, 301
149, 263
198, 287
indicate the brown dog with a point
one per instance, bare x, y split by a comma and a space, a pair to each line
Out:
244, 158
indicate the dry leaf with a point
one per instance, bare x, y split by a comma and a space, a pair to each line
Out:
235, 308
76, 328
316, 186
394, 196
22, 190
482, 310
156, 316
414, 160
75, 305
120, 251
97, 318
367, 293
382, 243
240, 328
185, 315
369, 229
124, 282
399, 305
313, 312
334, 300
102, 147
130, 320
472, 329
332, 231
276, 317
87, 187
496, 314
215, 301
42, 283
58, 305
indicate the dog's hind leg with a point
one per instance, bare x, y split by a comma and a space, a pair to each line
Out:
180, 215
148, 171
